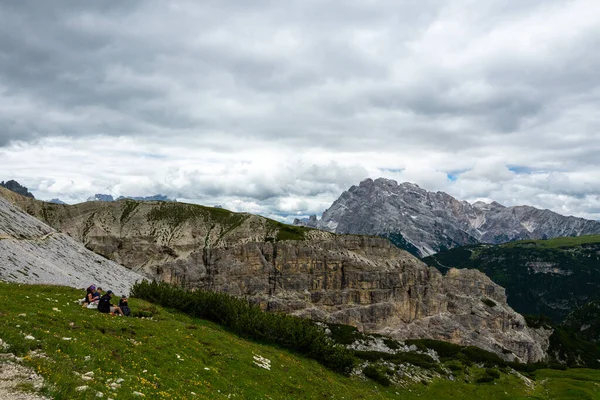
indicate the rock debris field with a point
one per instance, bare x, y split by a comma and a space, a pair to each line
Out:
34, 253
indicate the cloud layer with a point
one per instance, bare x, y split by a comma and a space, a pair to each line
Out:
277, 107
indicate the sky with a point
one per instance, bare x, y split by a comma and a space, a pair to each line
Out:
277, 107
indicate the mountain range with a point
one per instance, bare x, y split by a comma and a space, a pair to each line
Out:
109, 198
356, 280
425, 223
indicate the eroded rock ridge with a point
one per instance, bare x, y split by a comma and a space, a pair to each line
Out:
425, 222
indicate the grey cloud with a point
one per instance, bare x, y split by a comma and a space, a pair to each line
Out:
429, 80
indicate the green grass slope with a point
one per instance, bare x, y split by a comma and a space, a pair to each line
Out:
173, 356
551, 277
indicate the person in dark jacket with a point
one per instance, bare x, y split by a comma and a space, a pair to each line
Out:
124, 306
104, 305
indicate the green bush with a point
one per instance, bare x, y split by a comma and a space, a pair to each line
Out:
247, 320
378, 376
489, 376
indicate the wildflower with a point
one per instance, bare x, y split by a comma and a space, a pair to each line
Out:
22, 315
55, 309
29, 337
81, 388
66, 338
139, 394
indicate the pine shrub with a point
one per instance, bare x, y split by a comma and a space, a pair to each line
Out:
249, 321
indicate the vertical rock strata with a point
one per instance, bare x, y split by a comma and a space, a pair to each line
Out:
368, 283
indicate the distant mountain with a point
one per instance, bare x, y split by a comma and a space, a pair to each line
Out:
109, 198
156, 197
425, 222
56, 201
17, 188
101, 197
551, 277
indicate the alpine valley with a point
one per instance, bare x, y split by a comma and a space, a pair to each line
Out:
409, 321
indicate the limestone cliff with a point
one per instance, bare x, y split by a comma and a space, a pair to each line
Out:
363, 281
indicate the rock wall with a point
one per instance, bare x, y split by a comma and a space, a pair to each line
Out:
368, 283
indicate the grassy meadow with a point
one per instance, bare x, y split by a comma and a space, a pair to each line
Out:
173, 356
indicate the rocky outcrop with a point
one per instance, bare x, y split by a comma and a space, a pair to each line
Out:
16, 187
358, 280
32, 252
426, 222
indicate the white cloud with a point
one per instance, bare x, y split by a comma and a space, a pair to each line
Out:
277, 108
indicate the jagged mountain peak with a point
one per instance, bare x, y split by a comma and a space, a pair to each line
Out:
425, 222
16, 187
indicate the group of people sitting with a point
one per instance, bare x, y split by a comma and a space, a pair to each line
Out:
95, 299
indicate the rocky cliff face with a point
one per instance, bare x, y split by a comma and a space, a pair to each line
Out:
363, 281
32, 252
16, 187
425, 222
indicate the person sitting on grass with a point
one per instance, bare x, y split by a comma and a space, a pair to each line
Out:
89, 295
97, 294
104, 305
124, 306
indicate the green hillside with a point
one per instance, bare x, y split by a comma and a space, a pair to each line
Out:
173, 356
585, 321
551, 277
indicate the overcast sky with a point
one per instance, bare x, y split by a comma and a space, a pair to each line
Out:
276, 107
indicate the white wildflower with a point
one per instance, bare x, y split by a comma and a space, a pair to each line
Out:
81, 388
29, 337
55, 309
22, 315
139, 394
66, 338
